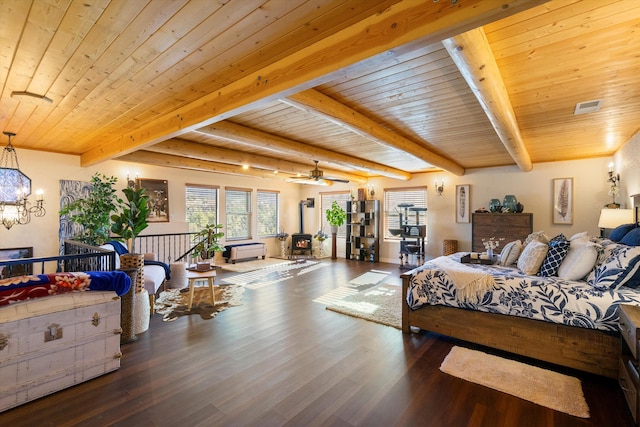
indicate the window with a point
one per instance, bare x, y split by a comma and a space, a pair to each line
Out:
417, 196
326, 199
201, 206
238, 214
268, 213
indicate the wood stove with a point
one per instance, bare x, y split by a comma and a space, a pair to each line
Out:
301, 244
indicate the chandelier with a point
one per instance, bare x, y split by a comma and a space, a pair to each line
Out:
15, 188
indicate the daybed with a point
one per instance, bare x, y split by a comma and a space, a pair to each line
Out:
243, 251
570, 319
155, 272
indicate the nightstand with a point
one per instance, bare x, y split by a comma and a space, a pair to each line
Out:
629, 375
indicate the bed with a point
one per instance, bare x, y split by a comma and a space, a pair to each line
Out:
571, 323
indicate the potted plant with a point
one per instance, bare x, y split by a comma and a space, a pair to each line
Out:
132, 219
208, 242
336, 216
93, 212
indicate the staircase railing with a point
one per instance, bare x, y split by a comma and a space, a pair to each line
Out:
172, 247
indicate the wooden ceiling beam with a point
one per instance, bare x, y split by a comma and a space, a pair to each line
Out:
229, 156
316, 103
372, 39
172, 161
256, 138
473, 56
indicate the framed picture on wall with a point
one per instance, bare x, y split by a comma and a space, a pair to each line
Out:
562, 203
16, 269
462, 203
158, 192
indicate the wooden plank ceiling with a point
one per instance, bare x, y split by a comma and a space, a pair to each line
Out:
368, 88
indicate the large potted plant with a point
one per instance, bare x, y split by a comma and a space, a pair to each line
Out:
132, 216
336, 216
128, 222
93, 212
208, 242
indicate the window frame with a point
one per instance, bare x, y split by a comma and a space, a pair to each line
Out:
412, 195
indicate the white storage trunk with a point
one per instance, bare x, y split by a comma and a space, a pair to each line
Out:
48, 344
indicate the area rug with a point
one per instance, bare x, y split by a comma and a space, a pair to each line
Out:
381, 304
173, 303
244, 266
540, 386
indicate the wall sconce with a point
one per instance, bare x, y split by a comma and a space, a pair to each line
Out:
130, 182
15, 189
440, 187
614, 187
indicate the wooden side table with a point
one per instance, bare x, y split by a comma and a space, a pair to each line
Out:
194, 276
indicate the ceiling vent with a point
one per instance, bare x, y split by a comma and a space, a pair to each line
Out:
587, 107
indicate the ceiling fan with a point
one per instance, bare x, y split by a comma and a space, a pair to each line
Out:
316, 177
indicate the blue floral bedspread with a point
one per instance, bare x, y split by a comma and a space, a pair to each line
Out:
544, 298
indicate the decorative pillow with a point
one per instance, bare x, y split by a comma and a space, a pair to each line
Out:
536, 236
632, 238
581, 235
558, 249
620, 231
579, 261
510, 253
532, 257
619, 265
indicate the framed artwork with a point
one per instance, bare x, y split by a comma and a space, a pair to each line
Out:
158, 192
16, 269
562, 201
462, 203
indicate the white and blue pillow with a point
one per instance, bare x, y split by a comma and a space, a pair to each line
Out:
618, 265
558, 249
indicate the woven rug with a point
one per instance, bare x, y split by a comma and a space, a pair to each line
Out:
173, 303
540, 386
380, 304
244, 266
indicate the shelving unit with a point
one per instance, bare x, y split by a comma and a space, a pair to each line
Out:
363, 230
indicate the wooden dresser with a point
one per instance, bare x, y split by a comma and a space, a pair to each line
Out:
510, 226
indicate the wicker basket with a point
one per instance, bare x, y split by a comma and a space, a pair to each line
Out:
449, 247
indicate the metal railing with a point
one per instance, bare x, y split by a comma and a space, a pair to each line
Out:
173, 247
77, 257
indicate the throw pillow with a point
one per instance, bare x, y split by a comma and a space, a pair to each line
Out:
532, 257
536, 236
580, 235
632, 238
558, 249
620, 264
579, 261
510, 253
620, 231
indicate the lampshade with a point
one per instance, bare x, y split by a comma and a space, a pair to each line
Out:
611, 218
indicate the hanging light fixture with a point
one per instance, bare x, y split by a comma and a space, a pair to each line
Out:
15, 188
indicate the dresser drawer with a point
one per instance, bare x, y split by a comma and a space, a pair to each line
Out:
629, 380
628, 331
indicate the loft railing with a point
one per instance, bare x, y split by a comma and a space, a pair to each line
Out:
77, 257
173, 247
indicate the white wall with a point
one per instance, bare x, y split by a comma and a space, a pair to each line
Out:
627, 163
533, 189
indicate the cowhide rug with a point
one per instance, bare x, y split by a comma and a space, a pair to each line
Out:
173, 303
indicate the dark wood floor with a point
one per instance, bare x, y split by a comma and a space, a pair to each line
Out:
281, 359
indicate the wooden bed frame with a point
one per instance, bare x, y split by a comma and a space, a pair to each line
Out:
589, 350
